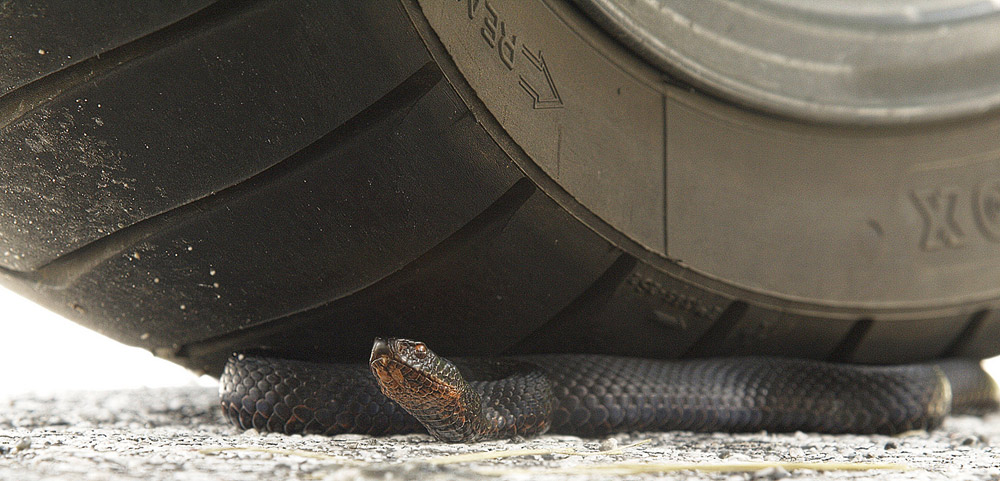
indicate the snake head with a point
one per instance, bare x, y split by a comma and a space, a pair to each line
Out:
411, 368
427, 386
412, 353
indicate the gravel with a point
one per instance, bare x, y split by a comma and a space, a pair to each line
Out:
179, 433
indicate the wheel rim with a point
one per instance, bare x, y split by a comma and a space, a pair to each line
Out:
846, 61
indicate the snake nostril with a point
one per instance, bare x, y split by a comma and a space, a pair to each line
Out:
380, 349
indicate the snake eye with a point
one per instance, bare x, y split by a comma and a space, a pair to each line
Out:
420, 349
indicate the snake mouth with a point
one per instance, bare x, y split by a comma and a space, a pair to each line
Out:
384, 362
388, 366
380, 351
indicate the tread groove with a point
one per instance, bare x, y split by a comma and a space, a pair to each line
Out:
478, 229
590, 300
966, 335
849, 344
71, 265
713, 339
17, 103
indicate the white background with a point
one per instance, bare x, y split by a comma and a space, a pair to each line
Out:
41, 351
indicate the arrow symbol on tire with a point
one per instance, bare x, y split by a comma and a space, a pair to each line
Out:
543, 92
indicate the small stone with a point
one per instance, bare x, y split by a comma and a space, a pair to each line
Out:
891, 445
774, 472
609, 444
22, 444
969, 441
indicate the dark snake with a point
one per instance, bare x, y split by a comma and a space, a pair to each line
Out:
407, 388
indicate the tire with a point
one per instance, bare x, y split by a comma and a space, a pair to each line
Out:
199, 177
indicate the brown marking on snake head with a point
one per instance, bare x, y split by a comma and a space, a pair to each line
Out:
411, 387
428, 387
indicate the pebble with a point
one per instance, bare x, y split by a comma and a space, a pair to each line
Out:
736, 457
774, 472
22, 444
891, 445
609, 444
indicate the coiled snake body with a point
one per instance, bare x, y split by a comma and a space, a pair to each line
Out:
407, 388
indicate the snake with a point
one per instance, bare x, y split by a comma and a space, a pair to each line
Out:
407, 388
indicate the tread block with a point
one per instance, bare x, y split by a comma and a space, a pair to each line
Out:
381, 191
175, 124
476, 293
41, 37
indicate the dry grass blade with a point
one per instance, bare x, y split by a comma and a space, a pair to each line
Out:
284, 452
482, 456
642, 468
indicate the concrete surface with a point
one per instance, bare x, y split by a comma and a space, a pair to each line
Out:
179, 433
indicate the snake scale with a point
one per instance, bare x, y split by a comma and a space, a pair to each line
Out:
407, 388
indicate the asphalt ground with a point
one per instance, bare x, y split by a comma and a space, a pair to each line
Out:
180, 434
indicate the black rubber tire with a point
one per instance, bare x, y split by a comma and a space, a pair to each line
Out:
199, 177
